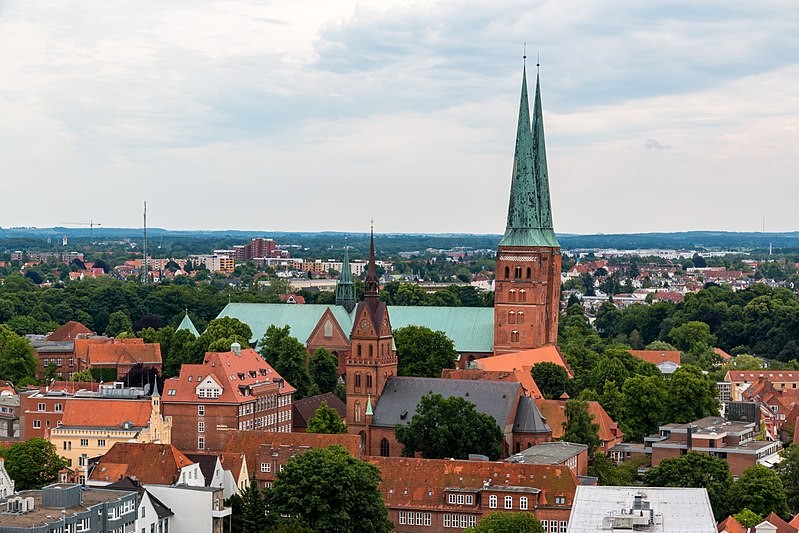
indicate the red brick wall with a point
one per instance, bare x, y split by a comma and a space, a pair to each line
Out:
29, 411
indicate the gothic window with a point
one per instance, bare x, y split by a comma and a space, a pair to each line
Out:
507, 272
517, 272
529, 272
359, 349
371, 351
357, 381
514, 336
357, 411
522, 295
512, 295
329, 328
511, 317
368, 381
384, 447
520, 317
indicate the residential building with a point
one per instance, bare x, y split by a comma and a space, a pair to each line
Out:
117, 356
743, 379
733, 441
571, 455
10, 427
42, 409
6, 483
151, 513
90, 427
62, 508
653, 509
235, 390
69, 332
451, 495
554, 412
148, 463
197, 509
527, 279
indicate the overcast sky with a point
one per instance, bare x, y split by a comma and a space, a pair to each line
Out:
311, 115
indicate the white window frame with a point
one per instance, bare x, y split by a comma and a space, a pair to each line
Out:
523, 503
201, 410
508, 502
492, 501
451, 498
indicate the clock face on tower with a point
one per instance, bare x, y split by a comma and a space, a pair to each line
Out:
364, 324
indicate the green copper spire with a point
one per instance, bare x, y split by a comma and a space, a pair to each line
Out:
188, 325
345, 289
369, 411
529, 214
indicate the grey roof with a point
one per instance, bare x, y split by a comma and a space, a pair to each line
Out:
529, 418
548, 453
133, 485
682, 510
303, 410
54, 346
402, 395
207, 464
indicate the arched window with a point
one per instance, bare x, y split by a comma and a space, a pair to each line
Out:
520, 317
512, 295
368, 381
522, 295
357, 381
511, 317
517, 273
329, 329
507, 272
529, 272
384, 449
357, 411
514, 336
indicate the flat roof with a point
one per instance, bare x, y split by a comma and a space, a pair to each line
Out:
549, 453
681, 510
39, 515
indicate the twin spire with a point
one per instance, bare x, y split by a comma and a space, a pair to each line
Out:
529, 209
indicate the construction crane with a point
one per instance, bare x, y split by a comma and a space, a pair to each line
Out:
90, 223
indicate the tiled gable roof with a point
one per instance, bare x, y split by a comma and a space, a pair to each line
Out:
150, 464
554, 412
69, 332
781, 525
304, 410
124, 353
105, 413
421, 483
730, 525
401, 396
524, 360
737, 376
523, 377
657, 356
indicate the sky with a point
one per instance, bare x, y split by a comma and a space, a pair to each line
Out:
319, 115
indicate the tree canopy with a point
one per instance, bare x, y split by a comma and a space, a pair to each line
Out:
326, 420
33, 464
579, 426
423, 352
17, 362
449, 428
552, 379
507, 523
329, 490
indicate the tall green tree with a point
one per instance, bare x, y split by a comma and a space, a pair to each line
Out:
691, 395
552, 379
760, 490
251, 519
507, 523
271, 342
17, 362
329, 490
118, 322
323, 367
326, 420
33, 464
788, 471
579, 426
696, 470
644, 398
423, 352
449, 428
292, 365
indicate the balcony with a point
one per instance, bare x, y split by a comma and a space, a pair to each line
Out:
226, 511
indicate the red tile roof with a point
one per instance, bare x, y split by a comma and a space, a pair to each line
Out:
657, 356
524, 360
420, 483
731, 525
721, 353
781, 525
157, 464
105, 413
524, 377
235, 373
554, 411
739, 376
69, 332
116, 353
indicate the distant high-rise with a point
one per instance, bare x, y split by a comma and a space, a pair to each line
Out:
527, 279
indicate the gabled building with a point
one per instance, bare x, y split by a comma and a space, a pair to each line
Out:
554, 412
151, 513
445, 495
235, 390
161, 464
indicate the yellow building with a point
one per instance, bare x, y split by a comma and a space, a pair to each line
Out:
91, 426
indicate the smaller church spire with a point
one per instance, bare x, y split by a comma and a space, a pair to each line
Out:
372, 283
369, 411
345, 288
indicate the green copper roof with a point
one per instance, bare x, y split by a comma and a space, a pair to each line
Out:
470, 328
529, 212
188, 325
345, 289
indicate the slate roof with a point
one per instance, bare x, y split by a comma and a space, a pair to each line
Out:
151, 464
402, 395
69, 332
132, 485
304, 410
470, 328
207, 464
529, 418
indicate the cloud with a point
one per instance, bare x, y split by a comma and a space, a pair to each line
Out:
654, 144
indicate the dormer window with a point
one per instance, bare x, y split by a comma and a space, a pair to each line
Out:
241, 376
253, 373
262, 371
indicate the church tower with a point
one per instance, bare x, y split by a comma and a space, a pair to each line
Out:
527, 279
345, 289
372, 359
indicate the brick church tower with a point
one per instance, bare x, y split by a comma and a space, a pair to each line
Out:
527, 280
372, 359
